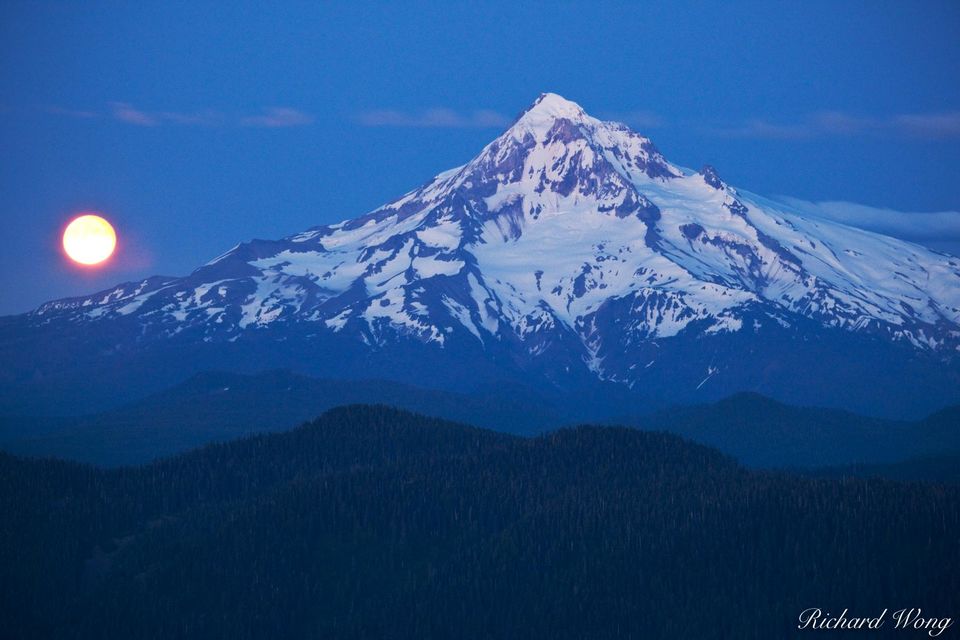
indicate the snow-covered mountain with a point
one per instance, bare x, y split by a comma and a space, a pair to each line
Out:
568, 250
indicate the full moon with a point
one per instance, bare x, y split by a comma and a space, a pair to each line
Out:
89, 239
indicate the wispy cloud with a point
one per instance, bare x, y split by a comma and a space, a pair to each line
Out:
928, 126
478, 119
936, 125
271, 117
940, 226
434, 118
128, 113
278, 117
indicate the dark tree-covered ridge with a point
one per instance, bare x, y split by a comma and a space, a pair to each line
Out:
376, 523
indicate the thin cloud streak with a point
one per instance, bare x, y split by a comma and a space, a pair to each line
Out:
941, 226
125, 112
925, 126
434, 118
270, 118
442, 117
275, 117
942, 125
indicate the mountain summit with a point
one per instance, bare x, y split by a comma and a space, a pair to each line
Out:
568, 253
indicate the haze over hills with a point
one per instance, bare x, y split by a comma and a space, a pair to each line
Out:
569, 255
216, 407
758, 431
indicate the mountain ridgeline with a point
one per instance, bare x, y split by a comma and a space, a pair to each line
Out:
219, 406
376, 523
569, 254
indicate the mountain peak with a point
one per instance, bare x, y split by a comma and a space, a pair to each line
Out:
568, 241
544, 113
552, 105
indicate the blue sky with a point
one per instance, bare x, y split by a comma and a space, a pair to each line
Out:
196, 125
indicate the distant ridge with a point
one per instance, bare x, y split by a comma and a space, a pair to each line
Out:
218, 406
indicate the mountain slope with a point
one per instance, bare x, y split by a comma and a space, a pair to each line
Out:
376, 523
569, 252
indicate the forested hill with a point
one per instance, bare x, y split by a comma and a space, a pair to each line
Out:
376, 523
